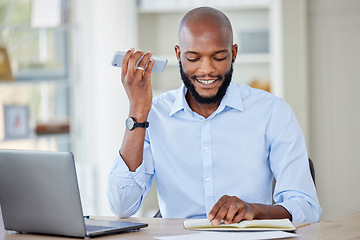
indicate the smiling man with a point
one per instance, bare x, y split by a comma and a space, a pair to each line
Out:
213, 145
207, 52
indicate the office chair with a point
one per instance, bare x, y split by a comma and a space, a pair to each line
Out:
158, 214
312, 172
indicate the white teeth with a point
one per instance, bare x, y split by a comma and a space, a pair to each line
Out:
206, 81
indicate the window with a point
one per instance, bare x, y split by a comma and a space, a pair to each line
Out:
39, 64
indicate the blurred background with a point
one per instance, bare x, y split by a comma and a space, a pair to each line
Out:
59, 92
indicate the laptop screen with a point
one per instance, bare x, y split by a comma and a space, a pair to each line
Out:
39, 193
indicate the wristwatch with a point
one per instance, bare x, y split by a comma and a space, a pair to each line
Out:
131, 124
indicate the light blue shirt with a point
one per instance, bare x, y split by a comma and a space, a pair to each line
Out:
252, 137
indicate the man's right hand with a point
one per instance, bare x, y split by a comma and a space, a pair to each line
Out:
137, 86
137, 83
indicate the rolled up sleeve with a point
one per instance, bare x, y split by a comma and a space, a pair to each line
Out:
126, 190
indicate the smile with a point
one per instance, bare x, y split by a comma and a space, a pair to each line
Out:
206, 82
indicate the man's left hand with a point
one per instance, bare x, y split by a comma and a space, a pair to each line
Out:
232, 210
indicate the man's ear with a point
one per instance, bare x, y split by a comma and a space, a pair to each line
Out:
177, 52
234, 51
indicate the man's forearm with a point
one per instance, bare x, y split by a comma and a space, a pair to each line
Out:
132, 148
262, 211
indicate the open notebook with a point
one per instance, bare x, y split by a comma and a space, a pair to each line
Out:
254, 225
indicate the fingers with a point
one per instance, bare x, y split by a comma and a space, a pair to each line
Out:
143, 65
125, 62
133, 60
135, 63
214, 213
147, 73
230, 210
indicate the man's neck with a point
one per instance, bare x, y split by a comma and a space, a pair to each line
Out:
204, 110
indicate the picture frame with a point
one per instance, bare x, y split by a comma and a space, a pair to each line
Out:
16, 122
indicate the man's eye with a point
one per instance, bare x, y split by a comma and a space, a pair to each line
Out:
192, 59
220, 59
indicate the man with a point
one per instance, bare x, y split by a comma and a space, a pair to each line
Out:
213, 145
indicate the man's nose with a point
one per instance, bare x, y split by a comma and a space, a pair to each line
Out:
206, 67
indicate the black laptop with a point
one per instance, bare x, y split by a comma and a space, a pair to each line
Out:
39, 193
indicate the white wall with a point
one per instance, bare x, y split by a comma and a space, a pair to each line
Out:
334, 40
289, 58
295, 61
101, 105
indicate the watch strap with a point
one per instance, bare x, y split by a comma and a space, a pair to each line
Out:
143, 125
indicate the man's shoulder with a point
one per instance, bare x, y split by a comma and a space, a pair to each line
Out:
166, 97
254, 94
165, 102
253, 98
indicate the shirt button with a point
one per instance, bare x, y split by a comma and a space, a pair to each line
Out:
206, 149
208, 179
206, 121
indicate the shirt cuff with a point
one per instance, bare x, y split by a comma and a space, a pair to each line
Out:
300, 210
125, 177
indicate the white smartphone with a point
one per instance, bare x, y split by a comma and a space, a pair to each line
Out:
159, 63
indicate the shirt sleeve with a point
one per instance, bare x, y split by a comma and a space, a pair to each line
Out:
294, 188
127, 190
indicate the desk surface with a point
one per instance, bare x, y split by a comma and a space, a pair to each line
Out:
346, 227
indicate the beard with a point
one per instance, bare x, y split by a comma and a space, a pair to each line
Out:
207, 100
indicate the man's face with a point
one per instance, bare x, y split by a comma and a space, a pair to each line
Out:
206, 54
207, 99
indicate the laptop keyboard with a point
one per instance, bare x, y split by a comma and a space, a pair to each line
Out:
97, 228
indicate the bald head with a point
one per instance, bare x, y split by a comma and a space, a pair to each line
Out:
203, 19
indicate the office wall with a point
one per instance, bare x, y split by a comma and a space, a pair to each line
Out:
289, 57
294, 63
334, 64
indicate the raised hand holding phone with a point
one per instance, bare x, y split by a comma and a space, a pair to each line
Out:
136, 70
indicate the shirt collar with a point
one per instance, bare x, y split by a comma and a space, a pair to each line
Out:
231, 99
180, 101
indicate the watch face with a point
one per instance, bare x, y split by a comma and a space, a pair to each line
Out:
130, 123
